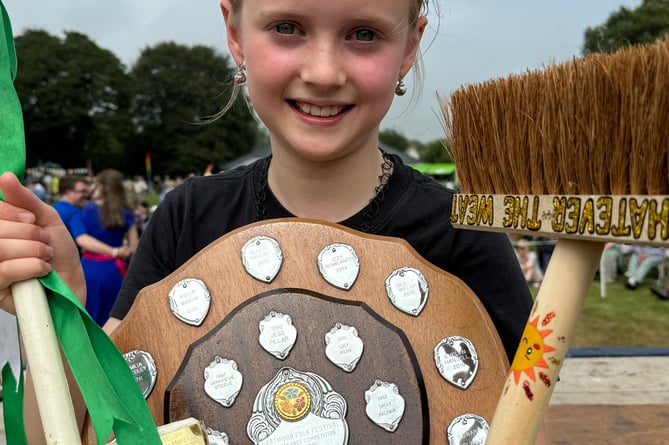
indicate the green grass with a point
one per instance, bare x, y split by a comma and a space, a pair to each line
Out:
623, 318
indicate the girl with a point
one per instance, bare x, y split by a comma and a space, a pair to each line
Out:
321, 75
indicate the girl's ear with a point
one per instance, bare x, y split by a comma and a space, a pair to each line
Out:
413, 44
233, 33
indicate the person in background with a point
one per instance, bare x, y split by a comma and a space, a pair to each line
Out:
528, 263
73, 195
106, 233
642, 261
544, 246
661, 292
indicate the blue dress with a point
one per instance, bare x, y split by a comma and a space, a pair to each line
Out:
67, 212
102, 273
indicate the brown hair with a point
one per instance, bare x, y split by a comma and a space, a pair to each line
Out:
112, 196
69, 183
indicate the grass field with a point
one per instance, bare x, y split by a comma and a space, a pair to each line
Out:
623, 318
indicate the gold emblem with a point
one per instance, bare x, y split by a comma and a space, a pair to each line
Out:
292, 401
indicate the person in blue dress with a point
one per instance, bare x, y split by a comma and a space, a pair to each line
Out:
105, 232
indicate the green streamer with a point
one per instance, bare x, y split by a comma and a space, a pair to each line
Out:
114, 400
12, 396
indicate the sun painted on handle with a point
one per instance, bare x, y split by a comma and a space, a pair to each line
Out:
531, 351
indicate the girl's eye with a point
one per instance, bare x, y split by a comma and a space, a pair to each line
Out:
285, 28
365, 35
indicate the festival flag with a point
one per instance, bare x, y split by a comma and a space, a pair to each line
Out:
114, 400
147, 164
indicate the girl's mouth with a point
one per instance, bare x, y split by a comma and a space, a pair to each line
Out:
320, 111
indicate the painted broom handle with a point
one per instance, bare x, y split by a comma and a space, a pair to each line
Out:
46, 366
535, 369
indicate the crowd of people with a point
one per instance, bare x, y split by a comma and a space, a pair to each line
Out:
105, 215
639, 265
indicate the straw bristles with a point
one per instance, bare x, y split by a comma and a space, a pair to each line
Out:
596, 125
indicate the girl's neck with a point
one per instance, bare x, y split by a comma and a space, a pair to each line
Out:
328, 190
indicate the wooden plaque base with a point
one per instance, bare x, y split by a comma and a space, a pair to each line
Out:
398, 347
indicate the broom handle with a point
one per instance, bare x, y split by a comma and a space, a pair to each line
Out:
521, 407
46, 367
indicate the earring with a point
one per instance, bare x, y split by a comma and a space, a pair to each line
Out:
240, 76
400, 88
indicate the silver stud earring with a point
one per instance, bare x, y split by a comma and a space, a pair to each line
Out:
240, 76
400, 88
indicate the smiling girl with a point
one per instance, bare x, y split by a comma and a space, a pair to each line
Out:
321, 75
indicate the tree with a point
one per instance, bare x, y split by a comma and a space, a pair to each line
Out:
176, 89
394, 139
648, 22
438, 151
74, 96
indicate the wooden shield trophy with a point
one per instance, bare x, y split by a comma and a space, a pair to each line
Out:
295, 331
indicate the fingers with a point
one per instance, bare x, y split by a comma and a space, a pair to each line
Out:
124, 252
22, 204
10, 229
16, 270
21, 269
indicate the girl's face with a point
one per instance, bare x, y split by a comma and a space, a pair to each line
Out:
321, 74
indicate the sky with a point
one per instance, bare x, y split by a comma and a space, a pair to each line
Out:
467, 41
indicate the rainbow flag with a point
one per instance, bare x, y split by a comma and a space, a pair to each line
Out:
147, 165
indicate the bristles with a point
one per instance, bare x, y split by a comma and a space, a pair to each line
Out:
596, 125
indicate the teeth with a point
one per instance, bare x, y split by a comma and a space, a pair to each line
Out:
314, 110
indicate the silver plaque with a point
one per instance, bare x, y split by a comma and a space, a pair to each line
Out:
298, 407
408, 290
385, 405
222, 381
143, 368
262, 258
190, 301
277, 334
457, 361
339, 265
343, 346
217, 438
468, 429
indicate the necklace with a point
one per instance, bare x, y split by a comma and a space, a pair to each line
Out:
371, 210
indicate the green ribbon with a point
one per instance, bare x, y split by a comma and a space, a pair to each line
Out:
114, 400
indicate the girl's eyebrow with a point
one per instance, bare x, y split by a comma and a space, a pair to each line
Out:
292, 14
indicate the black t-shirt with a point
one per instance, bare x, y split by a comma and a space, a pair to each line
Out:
414, 207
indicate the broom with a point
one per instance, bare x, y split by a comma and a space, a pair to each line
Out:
576, 151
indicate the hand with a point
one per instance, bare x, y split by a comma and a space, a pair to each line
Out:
124, 253
33, 241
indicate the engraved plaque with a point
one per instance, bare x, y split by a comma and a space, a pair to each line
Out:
222, 381
385, 405
277, 334
343, 346
408, 290
262, 258
143, 368
339, 265
190, 300
298, 407
468, 429
217, 438
456, 361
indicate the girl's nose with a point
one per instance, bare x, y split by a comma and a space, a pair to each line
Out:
323, 67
